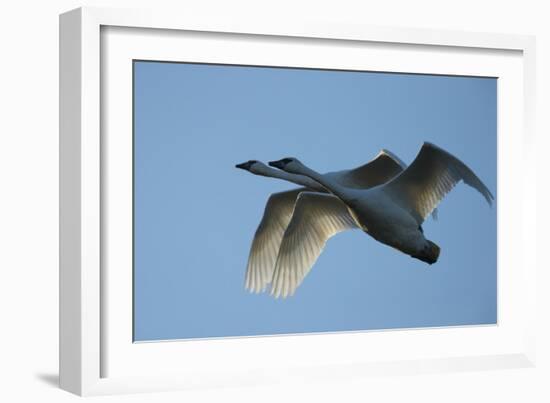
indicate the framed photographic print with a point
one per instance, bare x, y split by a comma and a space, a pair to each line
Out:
250, 202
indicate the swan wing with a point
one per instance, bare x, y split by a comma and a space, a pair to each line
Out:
432, 175
267, 239
381, 169
316, 218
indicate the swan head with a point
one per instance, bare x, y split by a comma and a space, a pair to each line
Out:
256, 167
251, 166
290, 164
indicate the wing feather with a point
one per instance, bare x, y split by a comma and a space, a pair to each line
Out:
267, 239
379, 170
433, 174
316, 218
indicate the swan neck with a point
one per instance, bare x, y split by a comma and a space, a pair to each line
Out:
327, 183
294, 178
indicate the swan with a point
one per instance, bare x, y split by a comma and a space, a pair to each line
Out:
392, 212
280, 206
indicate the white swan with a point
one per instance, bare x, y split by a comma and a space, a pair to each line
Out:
392, 213
280, 206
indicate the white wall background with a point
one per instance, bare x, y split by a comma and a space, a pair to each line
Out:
29, 186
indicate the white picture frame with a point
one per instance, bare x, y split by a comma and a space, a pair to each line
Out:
97, 355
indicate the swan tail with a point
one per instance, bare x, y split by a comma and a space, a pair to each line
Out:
429, 254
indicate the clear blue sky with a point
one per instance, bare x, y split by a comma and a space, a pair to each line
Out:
195, 214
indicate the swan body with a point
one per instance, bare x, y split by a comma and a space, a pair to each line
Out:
377, 214
391, 212
280, 207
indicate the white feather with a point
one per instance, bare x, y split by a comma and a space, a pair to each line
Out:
316, 218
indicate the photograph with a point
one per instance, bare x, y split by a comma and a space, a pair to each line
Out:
212, 201
279, 200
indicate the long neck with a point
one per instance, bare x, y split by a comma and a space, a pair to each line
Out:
329, 184
297, 179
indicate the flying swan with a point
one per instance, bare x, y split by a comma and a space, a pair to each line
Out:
392, 213
280, 207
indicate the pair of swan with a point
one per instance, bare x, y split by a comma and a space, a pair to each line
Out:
390, 208
280, 208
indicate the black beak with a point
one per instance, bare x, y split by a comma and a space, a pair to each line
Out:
277, 164
244, 166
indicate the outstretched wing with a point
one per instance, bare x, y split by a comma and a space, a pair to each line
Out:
381, 169
432, 175
267, 239
316, 218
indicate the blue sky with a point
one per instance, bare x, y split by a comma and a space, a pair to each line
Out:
195, 214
